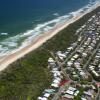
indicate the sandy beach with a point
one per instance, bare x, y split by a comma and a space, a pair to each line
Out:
40, 40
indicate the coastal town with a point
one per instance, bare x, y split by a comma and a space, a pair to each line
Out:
76, 71
50, 50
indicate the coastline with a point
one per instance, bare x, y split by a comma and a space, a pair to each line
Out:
40, 40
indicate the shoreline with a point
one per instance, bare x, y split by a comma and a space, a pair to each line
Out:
41, 39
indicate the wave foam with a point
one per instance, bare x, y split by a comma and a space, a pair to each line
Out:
56, 14
19, 41
3, 33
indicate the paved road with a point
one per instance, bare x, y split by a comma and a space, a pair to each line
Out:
74, 51
90, 58
56, 97
97, 97
64, 69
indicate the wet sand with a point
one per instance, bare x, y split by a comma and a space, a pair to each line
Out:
40, 40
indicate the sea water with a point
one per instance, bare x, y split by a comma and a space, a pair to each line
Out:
21, 21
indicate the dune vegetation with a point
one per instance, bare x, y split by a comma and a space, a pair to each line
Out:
26, 78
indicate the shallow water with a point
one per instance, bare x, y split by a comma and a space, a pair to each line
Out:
22, 20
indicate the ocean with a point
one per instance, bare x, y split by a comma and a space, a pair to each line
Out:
21, 21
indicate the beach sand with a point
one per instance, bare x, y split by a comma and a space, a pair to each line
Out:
40, 40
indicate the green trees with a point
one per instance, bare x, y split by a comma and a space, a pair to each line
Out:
26, 78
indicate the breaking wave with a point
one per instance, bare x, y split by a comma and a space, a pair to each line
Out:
12, 44
3, 33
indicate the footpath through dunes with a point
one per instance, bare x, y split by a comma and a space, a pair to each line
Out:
26, 78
